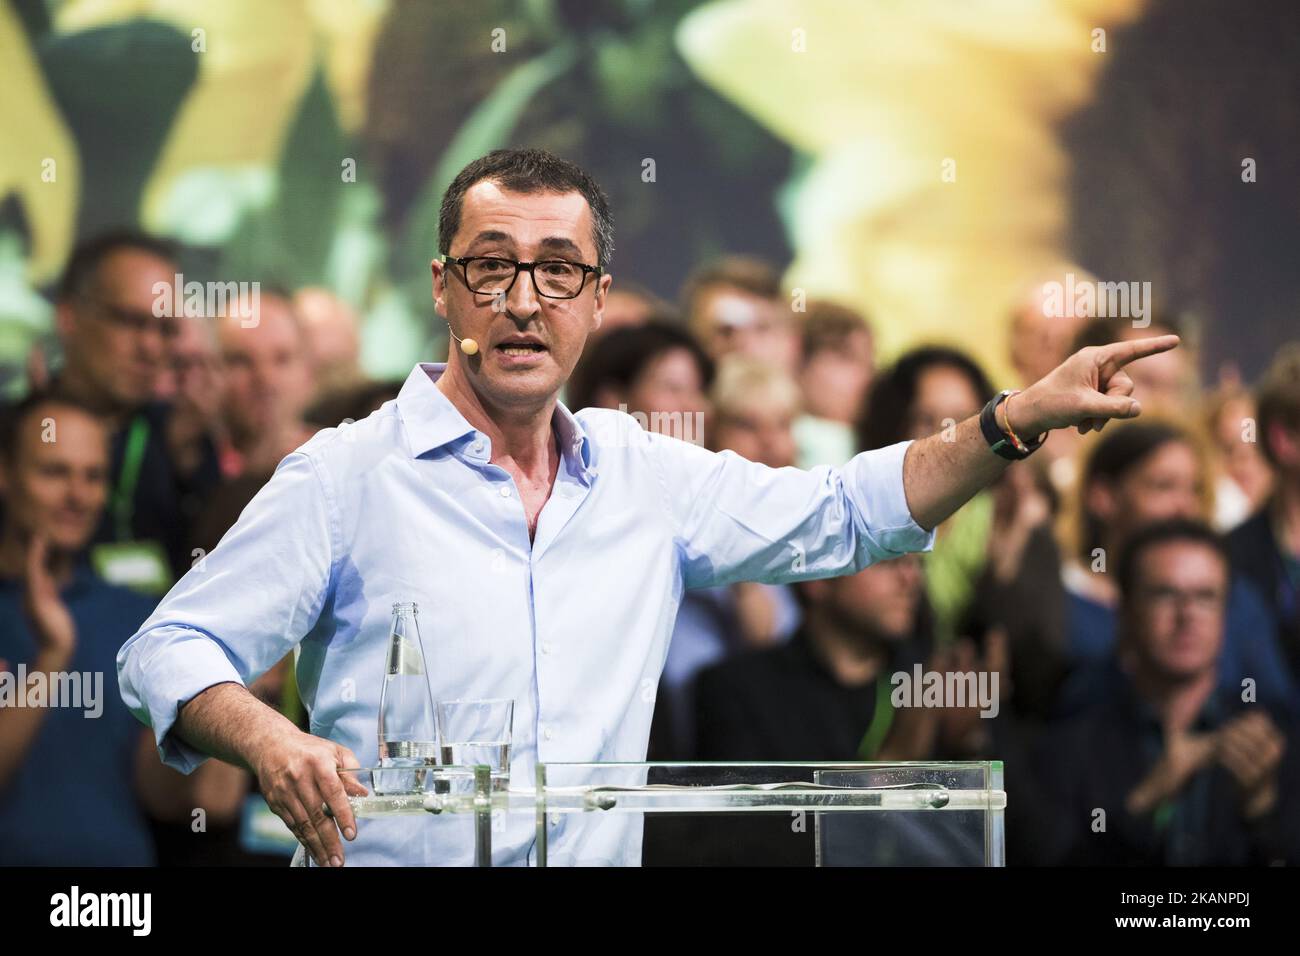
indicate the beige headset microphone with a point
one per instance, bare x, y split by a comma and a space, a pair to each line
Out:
468, 346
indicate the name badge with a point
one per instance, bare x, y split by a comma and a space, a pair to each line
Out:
138, 565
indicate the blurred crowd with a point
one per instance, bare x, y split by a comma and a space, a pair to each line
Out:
1134, 590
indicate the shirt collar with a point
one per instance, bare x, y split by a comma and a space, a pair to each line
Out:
432, 421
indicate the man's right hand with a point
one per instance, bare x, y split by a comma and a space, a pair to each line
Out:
1086, 390
299, 777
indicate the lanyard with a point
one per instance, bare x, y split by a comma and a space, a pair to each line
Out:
137, 439
880, 722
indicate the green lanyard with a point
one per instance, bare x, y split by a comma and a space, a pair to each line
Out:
137, 439
880, 722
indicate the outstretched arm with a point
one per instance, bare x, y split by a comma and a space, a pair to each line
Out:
943, 472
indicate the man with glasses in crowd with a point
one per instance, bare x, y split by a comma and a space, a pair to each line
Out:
1186, 772
547, 551
115, 355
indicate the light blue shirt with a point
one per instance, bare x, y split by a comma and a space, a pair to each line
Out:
406, 505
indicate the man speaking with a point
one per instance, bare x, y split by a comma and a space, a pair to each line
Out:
547, 551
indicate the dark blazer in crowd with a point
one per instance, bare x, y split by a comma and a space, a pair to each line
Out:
1095, 760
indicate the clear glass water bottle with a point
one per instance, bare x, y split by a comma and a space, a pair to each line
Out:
408, 740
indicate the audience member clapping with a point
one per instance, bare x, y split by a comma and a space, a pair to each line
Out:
1167, 764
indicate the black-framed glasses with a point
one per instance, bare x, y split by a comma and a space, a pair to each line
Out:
552, 278
1201, 599
133, 320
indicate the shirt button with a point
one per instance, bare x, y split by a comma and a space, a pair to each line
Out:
505, 491
546, 647
548, 733
478, 446
555, 819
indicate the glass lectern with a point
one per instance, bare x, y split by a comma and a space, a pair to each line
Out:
705, 814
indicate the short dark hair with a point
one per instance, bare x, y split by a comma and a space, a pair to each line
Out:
750, 274
1125, 447
1128, 446
1163, 532
884, 418
622, 355
1278, 397
13, 415
828, 325
528, 171
82, 269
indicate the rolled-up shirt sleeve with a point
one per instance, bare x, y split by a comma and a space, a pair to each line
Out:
239, 609
737, 520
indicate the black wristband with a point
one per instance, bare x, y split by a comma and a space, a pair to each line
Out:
999, 440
